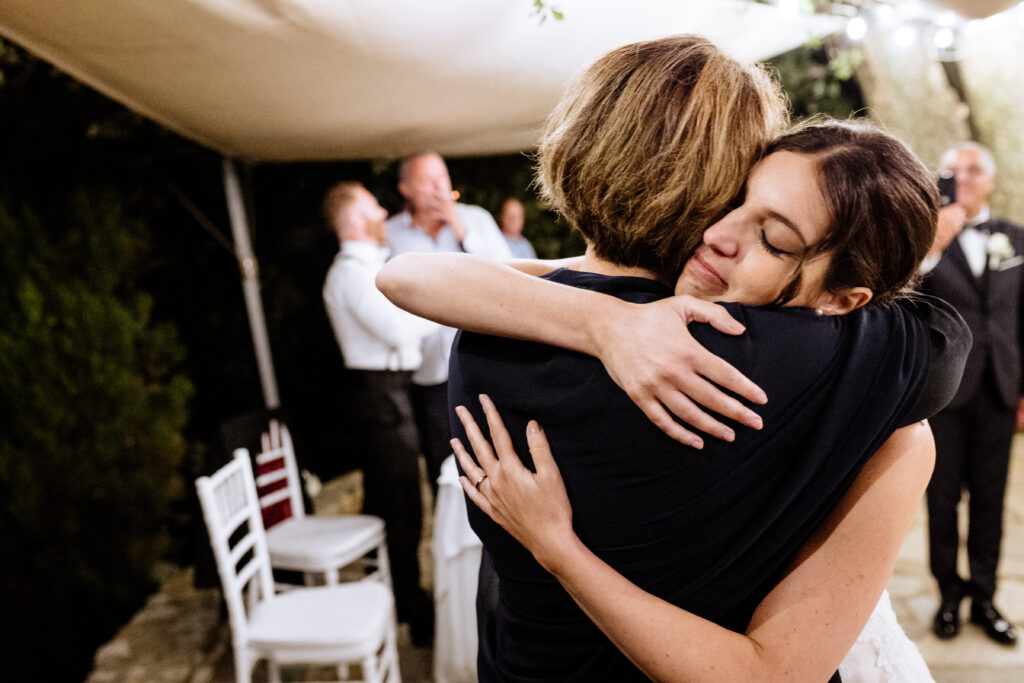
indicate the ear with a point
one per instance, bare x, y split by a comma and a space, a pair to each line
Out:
844, 301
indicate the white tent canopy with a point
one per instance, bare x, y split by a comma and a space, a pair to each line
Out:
280, 80
290, 80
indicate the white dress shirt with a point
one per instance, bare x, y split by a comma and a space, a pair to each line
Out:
372, 332
483, 238
973, 242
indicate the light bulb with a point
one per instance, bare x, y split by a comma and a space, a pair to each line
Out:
944, 38
904, 36
857, 28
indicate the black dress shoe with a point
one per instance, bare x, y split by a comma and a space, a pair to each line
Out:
947, 620
995, 624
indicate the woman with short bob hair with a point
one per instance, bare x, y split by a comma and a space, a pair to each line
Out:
627, 188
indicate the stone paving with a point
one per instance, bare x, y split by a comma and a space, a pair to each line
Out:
971, 657
178, 637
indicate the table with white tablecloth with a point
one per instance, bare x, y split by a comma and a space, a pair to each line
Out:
456, 566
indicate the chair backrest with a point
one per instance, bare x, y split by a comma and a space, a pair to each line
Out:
277, 476
233, 520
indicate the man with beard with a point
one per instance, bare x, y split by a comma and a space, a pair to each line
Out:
381, 346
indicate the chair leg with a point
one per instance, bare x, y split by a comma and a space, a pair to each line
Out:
273, 671
243, 666
390, 671
384, 565
372, 669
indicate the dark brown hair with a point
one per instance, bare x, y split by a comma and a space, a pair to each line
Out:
883, 203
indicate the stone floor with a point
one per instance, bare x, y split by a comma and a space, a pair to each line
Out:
177, 637
972, 657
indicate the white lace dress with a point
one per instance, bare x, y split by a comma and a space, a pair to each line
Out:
883, 653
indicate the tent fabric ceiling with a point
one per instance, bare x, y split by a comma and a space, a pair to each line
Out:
289, 80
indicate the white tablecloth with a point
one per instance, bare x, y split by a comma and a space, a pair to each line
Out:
456, 565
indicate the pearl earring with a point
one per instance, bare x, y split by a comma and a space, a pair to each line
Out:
819, 311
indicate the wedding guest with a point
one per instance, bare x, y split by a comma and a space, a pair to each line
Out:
510, 220
433, 221
380, 344
976, 266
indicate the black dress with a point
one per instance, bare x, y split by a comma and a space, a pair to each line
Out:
707, 530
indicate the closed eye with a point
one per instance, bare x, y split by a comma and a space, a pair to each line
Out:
771, 248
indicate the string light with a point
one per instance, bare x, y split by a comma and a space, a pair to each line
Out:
905, 36
857, 28
944, 38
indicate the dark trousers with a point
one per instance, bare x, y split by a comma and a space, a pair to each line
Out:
382, 406
430, 404
972, 445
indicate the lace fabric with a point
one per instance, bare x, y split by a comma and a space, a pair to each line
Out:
883, 653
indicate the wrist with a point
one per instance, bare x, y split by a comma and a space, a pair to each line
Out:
559, 553
600, 323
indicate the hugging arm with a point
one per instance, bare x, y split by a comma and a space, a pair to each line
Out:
801, 630
668, 373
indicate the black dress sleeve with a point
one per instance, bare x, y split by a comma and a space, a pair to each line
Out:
949, 342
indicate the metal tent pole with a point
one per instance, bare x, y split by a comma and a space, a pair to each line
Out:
250, 283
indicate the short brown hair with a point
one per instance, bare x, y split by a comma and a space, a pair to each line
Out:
883, 202
650, 145
337, 198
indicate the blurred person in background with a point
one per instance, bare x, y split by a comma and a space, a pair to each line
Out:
510, 220
381, 345
433, 221
975, 265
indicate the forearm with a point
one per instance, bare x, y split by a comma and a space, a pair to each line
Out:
662, 640
835, 581
461, 290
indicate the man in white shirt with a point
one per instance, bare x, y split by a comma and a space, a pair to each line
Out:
433, 221
381, 345
975, 265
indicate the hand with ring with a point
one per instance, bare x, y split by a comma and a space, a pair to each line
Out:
532, 506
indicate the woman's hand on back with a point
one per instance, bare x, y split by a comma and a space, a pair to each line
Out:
649, 352
533, 507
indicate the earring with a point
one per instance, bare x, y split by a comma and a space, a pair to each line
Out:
819, 311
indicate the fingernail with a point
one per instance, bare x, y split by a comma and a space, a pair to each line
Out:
533, 429
755, 421
484, 398
697, 442
461, 410
760, 396
726, 434
454, 443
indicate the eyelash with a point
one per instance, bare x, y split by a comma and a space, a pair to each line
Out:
771, 248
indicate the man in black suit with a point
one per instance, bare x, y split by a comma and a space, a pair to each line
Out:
975, 266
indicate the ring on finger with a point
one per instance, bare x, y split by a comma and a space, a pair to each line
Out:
479, 481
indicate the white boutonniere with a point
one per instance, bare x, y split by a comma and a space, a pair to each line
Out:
999, 250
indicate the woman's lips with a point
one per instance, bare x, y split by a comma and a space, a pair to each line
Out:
706, 272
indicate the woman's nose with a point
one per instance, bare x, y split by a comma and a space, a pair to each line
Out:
722, 239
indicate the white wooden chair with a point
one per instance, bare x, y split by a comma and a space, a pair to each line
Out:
318, 546
340, 625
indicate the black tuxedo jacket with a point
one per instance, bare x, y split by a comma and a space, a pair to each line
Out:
991, 306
